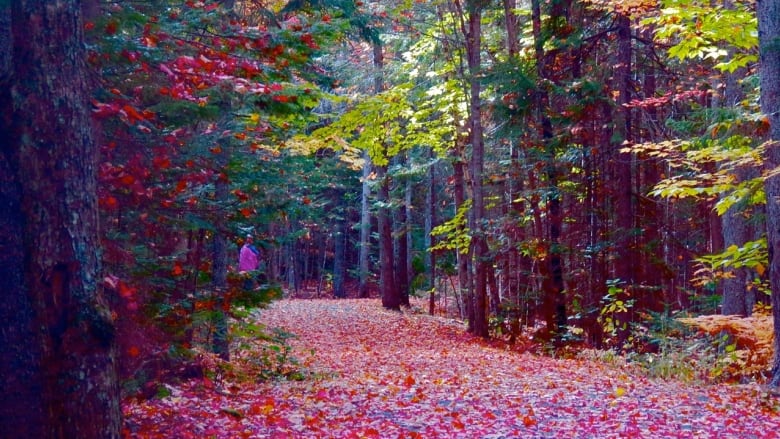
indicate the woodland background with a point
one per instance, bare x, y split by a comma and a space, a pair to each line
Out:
578, 171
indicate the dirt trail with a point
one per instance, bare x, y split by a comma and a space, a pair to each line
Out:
384, 374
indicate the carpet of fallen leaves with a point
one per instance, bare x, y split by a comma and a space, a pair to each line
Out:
378, 373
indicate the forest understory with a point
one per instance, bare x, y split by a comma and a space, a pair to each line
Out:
355, 370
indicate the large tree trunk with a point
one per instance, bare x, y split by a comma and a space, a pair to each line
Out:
623, 169
738, 297
769, 69
553, 301
57, 347
391, 297
478, 238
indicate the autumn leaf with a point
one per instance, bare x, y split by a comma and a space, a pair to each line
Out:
367, 367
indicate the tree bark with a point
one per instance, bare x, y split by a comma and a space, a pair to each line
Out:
478, 238
339, 255
430, 223
391, 297
365, 228
220, 343
553, 302
57, 346
769, 69
623, 170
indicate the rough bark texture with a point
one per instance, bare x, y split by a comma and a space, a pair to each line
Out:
553, 301
391, 297
220, 344
57, 347
478, 240
769, 69
626, 258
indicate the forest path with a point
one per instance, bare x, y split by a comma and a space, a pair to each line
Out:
380, 373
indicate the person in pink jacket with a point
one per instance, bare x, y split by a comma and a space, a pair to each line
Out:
249, 260
249, 257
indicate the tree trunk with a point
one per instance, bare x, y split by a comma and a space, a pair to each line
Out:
339, 264
735, 227
769, 70
365, 227
459, 195
430, 223
391, 297
511, 27
623, 169
553, 302
220, 343
478, 238
57, 346
401, 244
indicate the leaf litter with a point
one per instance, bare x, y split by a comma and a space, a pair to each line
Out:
384, 374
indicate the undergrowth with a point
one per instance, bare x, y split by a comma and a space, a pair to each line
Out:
704, 350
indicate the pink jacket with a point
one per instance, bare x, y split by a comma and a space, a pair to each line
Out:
247, 259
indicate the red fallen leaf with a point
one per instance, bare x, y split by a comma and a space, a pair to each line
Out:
409, 381
177, 269
125, 290
89, 25
162, 162
127, 179
241, 195
528, 421
111, 28
458, 424
134, 351
133, 114
109, 202
240, 136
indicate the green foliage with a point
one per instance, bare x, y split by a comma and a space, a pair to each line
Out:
384, 125
614, 304
677, 352
454, 232
275, 359
699, 30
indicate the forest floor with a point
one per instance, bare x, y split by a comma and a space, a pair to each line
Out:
373, 373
